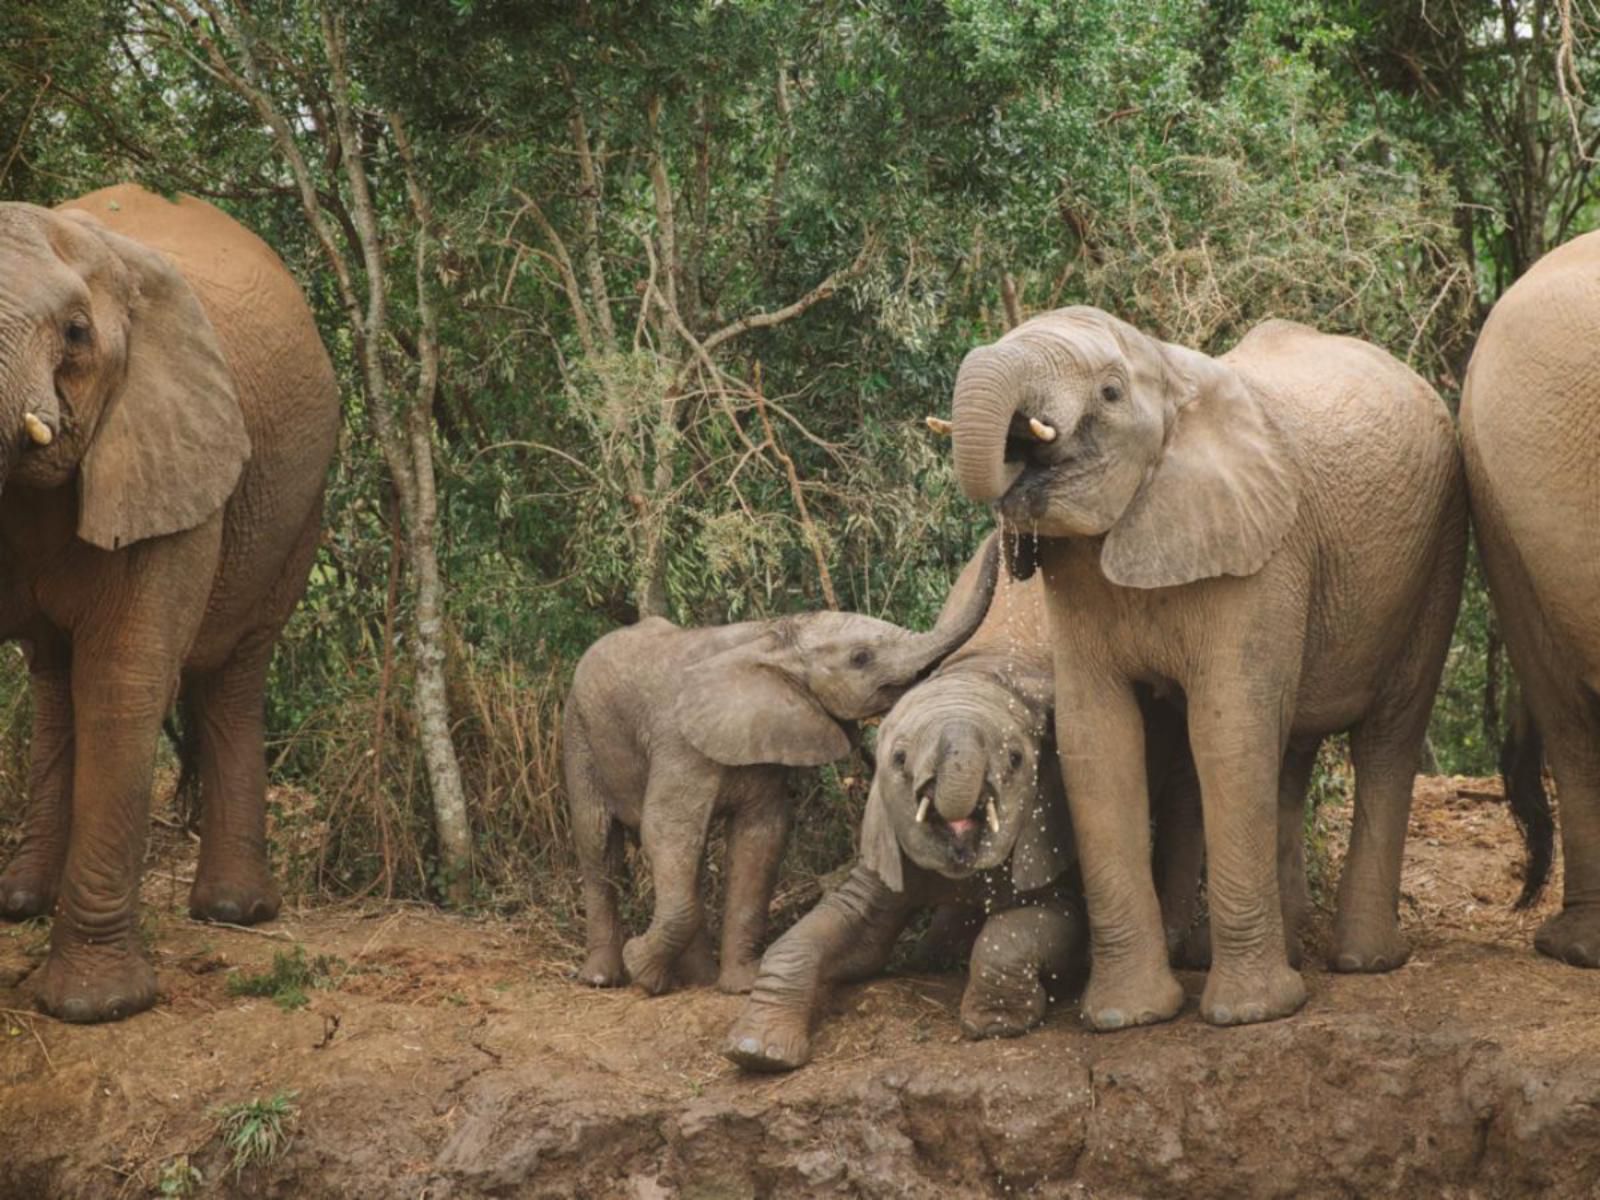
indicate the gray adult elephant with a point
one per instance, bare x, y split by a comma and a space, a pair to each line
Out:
668, 728
167, 415
1277, 535
966, 811
1529, 416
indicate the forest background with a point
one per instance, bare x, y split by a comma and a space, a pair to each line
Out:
639, 307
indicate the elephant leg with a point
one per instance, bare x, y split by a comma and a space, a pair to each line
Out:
672, 834
233, 882
848, 935
949, 939
1100, 733
125, 660
697, 965
32, 880
757, 833
1573, 934
598, 837
1237, 731
1017, 950
1294, 898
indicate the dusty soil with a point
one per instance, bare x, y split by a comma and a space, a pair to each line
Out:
453, 1059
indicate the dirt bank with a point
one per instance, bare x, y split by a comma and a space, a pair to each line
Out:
452, 1059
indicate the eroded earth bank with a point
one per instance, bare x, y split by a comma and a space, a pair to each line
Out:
451, 1058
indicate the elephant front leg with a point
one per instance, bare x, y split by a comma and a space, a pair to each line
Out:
1238, 745
233, 882
672, 834
759, 829
32, 880
1100, 733
848, 935
1016, 952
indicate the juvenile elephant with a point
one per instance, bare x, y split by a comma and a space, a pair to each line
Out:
1277, 536
666, 728
966, 810
1529, 413
167, 415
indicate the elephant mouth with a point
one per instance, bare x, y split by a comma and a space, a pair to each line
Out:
961, 838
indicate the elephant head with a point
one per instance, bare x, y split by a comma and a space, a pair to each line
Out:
965, 780
779, 696
110, 368
1075, 424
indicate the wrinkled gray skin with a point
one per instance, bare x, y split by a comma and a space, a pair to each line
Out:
667, 728
155, 543
1277, 536
977, 731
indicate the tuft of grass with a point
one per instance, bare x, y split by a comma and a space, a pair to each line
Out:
179, 1177
256, 1131
288, 980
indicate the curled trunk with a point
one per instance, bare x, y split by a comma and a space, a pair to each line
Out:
919, 653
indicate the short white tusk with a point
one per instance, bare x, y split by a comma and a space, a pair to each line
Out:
922, 809
994, 817
1040, 430
37, 430
940, 426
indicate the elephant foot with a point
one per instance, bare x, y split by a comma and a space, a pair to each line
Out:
762, 1040
991, 1013
28, 886
1572, 935
1122, 997
1368, 950
602, 968
739, 977
646, 968
1247, 997
95, 983
234, 901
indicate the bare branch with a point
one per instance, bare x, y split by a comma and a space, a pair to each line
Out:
766, 320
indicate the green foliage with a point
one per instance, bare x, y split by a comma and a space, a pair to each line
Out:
288, 980
179, 1177
254, 1132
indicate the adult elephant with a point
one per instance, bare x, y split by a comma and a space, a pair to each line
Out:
167, 415
1277, 535
1529, 415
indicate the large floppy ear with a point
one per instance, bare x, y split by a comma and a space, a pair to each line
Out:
738, 709
1045, 849
880, 849
1224, 491
171, 442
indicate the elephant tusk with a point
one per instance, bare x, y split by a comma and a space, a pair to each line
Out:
922, 809
939, 425
994, 817
37, 430
1040, 430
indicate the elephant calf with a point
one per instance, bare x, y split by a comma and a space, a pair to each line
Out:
666, 728
966, 809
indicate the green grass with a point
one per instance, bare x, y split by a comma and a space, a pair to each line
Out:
256, 1131
288, 980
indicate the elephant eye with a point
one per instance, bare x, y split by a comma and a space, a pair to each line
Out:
1110, 393
861, 658
78, 333
900, 758
1016, 759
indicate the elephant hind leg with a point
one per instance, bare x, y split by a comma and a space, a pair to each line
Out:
32, 880
225, 711
598, 838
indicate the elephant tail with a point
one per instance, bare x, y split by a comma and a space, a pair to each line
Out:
181, 730
1522, 769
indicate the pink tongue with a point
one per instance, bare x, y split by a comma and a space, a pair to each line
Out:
961, 826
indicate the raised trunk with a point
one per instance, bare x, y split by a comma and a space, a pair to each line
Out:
919, 653
985, 397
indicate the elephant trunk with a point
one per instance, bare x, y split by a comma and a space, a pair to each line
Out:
960, 769
985, 398
916, 654
30, 410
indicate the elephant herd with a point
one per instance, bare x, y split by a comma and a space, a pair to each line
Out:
1203, 568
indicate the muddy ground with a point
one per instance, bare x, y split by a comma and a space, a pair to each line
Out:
451, 1058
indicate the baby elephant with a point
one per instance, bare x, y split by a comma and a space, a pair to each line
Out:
966, 809
666, 728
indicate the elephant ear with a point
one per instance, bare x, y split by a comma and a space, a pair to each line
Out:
880, 849
1045, 849
171, 443
1223, 494
739, 710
